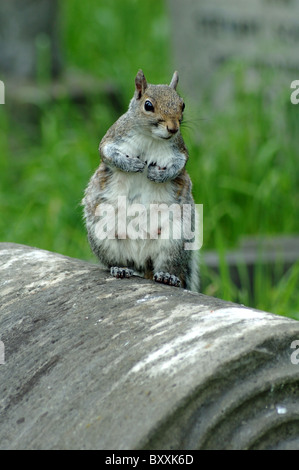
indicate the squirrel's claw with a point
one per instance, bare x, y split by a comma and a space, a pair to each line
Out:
166, 278
121, 272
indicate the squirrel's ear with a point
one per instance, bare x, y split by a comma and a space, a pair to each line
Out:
140, 84
174, 80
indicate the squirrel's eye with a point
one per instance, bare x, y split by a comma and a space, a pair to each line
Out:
183, 107
148, 106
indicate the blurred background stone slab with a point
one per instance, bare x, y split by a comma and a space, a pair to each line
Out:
27, 27
261, 35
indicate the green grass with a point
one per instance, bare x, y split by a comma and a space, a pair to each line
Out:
245, 172
243, 160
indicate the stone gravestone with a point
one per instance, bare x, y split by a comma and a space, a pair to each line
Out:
95, 362
32, 68
262, 35
27, 27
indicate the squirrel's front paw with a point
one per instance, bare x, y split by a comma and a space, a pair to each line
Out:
132, 164
157, 173
166, 278
121, 272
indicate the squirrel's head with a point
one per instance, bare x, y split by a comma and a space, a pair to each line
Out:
159, 107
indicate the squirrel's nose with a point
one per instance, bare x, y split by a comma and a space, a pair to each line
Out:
172, 129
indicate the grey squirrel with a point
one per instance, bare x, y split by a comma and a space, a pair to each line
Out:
143, 158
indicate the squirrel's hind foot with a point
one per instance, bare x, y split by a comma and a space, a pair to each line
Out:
166, 278
121, 272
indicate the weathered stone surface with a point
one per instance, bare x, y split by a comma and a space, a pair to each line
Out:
93, 362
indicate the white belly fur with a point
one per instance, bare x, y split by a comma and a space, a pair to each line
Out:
136, 186
138, 189
148, 149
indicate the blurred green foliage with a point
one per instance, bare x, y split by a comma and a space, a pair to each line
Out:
243, 160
